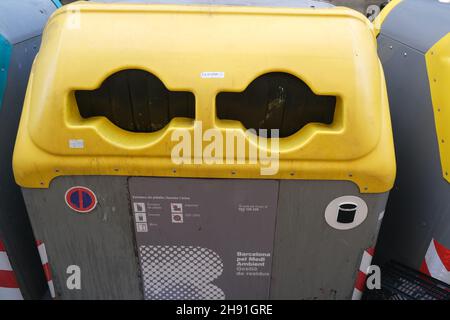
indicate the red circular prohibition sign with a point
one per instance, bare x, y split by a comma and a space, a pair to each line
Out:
81, 199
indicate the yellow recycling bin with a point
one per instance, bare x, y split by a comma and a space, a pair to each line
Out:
206, 152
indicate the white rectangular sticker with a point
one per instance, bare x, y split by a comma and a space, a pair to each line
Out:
212, 75
76, 143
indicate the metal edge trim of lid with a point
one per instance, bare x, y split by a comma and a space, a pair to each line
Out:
57, 3
378, 22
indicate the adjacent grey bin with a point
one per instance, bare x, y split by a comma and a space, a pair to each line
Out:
416, 228
21, 25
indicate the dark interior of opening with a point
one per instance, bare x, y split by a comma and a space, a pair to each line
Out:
276, 101
135, 100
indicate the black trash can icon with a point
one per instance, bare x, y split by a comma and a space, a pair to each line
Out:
347, 212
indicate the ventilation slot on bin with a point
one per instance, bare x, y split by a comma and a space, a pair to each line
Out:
135, 100
276, 101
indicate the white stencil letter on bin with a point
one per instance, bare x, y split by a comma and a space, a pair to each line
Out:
345, 213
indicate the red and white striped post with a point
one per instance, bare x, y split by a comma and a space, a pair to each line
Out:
46, 266
9, 289
360, 283
437, 262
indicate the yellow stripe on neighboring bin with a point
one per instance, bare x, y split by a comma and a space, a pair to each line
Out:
438, 65
332, 50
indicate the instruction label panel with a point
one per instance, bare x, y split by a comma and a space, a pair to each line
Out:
204, 238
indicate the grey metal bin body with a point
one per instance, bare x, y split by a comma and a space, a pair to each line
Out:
308, 259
